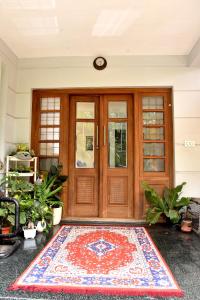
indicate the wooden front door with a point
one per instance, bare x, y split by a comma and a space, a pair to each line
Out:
101, 156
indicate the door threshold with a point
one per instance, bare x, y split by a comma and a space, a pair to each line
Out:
79, 220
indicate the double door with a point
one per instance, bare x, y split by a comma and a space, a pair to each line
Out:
101, 156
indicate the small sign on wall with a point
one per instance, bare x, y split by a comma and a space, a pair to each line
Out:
189, 144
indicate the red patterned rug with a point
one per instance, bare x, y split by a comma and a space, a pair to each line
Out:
115, 260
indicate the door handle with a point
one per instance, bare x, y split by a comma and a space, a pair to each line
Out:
104, 135
97, 137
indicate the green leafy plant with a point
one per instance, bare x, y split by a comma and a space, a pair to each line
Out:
32, 200
44, 192
5, 214
21, 190
169, 205
54, 176
35, 200
22, 147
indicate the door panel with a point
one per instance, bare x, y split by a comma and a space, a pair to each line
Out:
84, 157
101, 188
118, 157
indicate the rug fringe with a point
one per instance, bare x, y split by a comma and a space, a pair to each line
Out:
92, 291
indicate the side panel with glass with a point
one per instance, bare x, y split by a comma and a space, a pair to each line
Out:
153, 133
49, 144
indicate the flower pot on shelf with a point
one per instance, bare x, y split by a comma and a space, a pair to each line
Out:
57, 215
5, 230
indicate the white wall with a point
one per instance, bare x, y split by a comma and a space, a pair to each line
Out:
8, 77
124, 72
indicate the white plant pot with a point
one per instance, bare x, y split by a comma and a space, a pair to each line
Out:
41, 225
29, 233
57, 214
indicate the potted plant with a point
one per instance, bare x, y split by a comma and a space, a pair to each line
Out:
23, 151
31, 215
22, 191
168, 206
186, 223
4, 222
57, 211
55, 201
44, 193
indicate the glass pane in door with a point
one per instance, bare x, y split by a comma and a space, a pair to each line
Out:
153, 118
153, 133
154, 165
117, 135
85, 110
84, 144
151, 149
50, 103
117, 109
152, 102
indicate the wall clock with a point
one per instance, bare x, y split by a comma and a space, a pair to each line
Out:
100, 63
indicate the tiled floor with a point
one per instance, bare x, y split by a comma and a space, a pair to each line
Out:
181, 252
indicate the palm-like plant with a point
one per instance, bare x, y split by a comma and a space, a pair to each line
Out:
169, 205
58, 181
43, 193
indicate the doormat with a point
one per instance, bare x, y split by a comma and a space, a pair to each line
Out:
111, 260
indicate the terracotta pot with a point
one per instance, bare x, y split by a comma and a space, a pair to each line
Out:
5, 230
186, 226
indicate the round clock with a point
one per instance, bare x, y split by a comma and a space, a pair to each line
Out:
99, 63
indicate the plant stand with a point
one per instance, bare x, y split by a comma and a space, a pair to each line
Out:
12, 161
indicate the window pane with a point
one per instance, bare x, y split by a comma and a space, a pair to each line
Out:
117, 135
50, 103
154, 165
153, 133
154, 149
50, 118
153, 102
49, 133
117, 109
84, 145
57, 103
153, 118
85, 110
46, 163
49, 148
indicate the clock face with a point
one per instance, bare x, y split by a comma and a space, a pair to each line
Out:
100, 63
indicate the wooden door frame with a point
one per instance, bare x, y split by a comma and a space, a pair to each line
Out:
136, 94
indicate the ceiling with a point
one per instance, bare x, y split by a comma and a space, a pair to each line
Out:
50, 28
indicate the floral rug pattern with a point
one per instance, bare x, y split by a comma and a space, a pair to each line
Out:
100, 259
